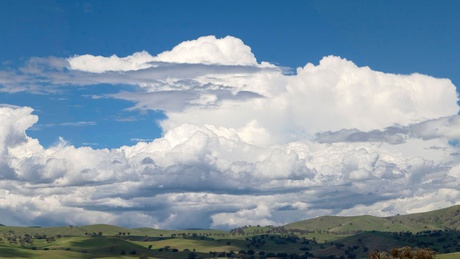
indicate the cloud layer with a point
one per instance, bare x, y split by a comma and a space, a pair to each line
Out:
243, 143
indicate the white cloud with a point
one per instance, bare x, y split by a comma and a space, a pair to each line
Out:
242, 143
243, 217
217, 179
337, 94
210, 50
14, 122
204, 50
100, 64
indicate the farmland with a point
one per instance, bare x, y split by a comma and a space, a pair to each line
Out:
322, 237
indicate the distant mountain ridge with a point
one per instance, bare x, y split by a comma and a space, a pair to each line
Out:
447, 218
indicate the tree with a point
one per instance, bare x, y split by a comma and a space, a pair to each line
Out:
404, 252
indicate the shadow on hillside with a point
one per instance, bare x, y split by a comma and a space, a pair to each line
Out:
7, 252
106, 246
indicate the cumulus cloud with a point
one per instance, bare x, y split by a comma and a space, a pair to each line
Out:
242, 143
365, 99
243, 217
15, 121
216, 177
99, 64
332, 96
204, 50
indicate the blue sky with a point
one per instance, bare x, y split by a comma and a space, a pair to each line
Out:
193, 105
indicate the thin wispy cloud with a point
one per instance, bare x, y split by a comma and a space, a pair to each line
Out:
63, 124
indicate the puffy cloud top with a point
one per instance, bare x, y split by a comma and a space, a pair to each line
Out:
100, 64
209, 50
337, 94
14, 122
204, 50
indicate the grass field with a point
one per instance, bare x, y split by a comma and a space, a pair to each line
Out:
160, 247
449, 256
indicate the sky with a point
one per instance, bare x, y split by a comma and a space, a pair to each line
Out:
220, 114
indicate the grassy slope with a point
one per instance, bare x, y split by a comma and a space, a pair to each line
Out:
448, 218
49, 231
448, 256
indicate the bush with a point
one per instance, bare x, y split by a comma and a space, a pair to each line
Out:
405, 252
282, 255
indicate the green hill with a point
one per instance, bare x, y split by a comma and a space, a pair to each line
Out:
448, 218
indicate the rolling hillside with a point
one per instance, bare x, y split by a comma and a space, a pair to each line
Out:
322, 237
448, 218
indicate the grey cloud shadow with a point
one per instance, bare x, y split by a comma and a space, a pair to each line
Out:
393, 135
397, 134
344, 197
40, 75
174, 101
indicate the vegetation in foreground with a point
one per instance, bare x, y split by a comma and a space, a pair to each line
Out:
323, 237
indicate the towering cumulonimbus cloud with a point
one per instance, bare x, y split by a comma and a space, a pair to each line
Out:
242, 143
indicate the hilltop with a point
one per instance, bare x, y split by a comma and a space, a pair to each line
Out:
447, 218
